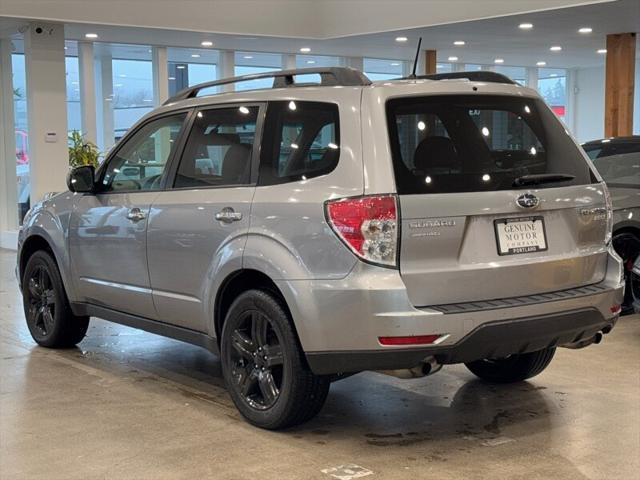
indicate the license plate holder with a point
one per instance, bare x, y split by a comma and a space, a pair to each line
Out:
520, 235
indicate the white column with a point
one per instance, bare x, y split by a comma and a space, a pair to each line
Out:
160, 63
289, 61
355, 62
532, 77
570, 117
87, 91
227, 68
104, 102
8, 185
47, 108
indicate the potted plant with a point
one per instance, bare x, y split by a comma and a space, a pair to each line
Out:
81, 151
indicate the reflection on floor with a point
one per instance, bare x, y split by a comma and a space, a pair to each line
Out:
127, 404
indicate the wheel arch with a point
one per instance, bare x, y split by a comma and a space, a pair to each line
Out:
241, 281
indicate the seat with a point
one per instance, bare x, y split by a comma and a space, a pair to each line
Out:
235, 166
436, 155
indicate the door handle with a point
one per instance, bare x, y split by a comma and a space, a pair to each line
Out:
228, 215
135, 214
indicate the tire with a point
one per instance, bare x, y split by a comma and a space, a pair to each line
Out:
627, 245
49, 317
514, 368
264, 367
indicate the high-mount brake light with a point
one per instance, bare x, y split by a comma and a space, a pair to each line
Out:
368, 225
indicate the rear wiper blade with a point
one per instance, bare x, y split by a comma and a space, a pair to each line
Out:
541, 178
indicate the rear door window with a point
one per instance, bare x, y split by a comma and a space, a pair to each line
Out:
301, 141
447, 144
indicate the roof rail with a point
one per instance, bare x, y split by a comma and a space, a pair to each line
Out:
329, 77
478, 76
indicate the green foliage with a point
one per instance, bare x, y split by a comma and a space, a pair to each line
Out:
82, 152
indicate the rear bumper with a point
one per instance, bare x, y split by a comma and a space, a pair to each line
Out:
489, 340
339, 321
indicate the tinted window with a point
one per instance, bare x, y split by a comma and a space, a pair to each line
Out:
302, 141
140, 163
219, 147
444, 144
620, 170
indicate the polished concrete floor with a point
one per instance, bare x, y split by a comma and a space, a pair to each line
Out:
128, 404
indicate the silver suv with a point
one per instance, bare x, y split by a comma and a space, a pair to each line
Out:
313, 230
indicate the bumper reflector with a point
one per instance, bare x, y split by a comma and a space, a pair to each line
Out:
411, 340
616, 308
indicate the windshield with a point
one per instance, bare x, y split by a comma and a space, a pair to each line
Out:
445, 144
620, 170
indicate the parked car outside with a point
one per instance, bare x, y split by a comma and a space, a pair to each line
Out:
618, 161
308, 232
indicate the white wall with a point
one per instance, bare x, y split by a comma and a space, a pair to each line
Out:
589, 104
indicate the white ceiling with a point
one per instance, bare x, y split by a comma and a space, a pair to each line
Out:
485, 39
312, 19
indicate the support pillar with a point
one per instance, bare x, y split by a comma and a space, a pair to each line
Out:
8, 184
619, 84
430, 67
288, 61
87, 91
47, 108
227, 68
104, 104
160, 66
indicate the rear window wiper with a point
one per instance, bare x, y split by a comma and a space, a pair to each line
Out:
541, 178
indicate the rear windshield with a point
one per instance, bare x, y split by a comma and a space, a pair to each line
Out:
446, 144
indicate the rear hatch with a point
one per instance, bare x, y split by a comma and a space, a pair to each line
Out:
496, 200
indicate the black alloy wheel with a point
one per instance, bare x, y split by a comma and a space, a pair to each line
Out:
256, 361
41, 301
627, 245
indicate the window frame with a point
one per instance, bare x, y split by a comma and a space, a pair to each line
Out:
172, 169
101, 172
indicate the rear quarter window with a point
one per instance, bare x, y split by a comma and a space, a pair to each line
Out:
301, 141
448, 144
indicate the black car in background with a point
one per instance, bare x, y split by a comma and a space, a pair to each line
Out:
618, 161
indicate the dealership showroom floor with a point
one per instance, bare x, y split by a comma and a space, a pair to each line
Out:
128, 404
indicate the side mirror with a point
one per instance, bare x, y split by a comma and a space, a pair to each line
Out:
81, 179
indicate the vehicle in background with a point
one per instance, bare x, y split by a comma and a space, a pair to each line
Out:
618, 161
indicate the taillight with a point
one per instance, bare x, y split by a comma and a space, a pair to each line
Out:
609, 206
367, 225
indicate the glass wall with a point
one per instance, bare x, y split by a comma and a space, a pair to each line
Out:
552, 85
251, 62
517, 74
74, 119
381, 69
189, 67
21, 132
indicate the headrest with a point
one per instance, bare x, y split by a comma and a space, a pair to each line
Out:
215, 138
435, 152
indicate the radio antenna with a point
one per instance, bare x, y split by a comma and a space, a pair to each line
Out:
415, 61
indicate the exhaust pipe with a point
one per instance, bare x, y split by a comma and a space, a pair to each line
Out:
426, 367
597, 338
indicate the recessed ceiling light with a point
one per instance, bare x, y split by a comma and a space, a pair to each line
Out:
453, 59
602, 51
499, 60
401, 39
553, 75
394, 64
66, 48
305, 49
459, 43
311, 62
195, 55
180, 67
556, 48
91, 35
585, 30
525, 26
172, 78
206, 43
248, 57
541, 64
